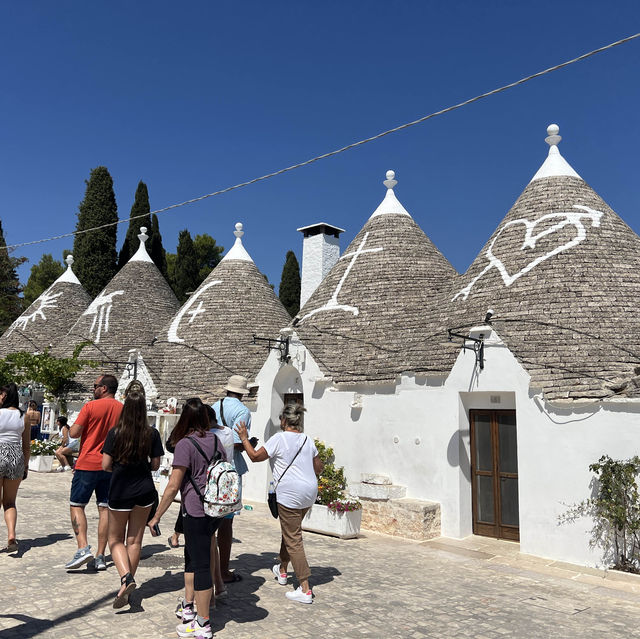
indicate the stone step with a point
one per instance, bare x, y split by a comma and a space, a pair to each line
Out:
373, 478
378, 491
411, 518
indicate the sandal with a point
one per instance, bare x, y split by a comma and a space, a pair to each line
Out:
171, 544
122, 599
234, 577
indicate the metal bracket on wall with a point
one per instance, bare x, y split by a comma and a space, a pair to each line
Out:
281, 345
477, 348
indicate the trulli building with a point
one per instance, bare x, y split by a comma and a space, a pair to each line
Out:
211, 335
495, 438
123, 320
49, 318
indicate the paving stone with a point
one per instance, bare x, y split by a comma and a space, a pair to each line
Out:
374, 586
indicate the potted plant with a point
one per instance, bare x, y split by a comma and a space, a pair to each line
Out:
333, 513
41, 459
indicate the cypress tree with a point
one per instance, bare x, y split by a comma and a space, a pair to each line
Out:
208, 254
43, 275
157, 252
10, 301
289, 292
140, 207
95, 252
186, 273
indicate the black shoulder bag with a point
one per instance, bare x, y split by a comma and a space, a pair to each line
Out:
273, 504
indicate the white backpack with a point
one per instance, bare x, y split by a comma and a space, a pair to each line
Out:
222, 488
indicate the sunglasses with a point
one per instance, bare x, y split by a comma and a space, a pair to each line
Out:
97, 386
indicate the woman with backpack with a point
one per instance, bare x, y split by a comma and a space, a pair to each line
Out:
131, 451
195, 446
296, 465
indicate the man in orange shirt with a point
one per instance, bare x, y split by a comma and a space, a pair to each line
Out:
93, 423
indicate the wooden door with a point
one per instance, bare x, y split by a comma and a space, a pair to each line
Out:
494, 473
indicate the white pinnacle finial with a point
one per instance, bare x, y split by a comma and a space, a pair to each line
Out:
68, 276
141, 254
555, 165
553, 138
237, 251
390, 182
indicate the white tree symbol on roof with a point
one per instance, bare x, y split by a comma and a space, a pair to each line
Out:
46, 300
100, 308
332, 303
566, 218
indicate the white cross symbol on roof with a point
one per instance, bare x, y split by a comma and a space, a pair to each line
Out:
195, 312
332, 303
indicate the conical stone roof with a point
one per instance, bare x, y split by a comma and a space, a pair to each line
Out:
363, 322
128, 313
49, 318
211, 336
562, 275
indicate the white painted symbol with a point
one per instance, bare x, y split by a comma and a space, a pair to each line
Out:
195, 312
172, 333
332, 303
46, 300
100, 308
566, 218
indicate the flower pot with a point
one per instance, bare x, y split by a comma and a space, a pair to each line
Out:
320, 519
41, 463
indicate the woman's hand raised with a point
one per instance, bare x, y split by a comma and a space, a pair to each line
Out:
241, 429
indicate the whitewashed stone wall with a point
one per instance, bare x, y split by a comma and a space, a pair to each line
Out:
417, 433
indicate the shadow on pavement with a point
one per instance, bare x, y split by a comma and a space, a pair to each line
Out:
32, 626
25, 545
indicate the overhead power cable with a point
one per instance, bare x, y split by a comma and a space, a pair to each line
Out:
324, 156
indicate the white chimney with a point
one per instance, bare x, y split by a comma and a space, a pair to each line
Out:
320, 251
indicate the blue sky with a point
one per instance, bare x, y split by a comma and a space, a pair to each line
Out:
198, 96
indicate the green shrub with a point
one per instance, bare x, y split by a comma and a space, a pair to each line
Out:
332, 482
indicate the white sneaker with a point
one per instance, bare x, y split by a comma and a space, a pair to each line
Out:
299, 596
280, 576
195, 630
59, 469
67, 468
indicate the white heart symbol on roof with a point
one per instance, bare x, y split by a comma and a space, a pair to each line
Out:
565, 218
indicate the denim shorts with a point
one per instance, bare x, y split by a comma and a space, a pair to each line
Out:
85, 483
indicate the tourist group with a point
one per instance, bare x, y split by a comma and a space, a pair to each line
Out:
118, 451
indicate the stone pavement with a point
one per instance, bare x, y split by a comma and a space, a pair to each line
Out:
374, 586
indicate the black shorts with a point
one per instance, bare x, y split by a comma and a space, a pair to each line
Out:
129, 503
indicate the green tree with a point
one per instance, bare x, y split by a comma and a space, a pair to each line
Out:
208, 254
94, 252
140, 207
54, 373
186, 278
170, 259
289, 292
10, 300
156, 251
43, 275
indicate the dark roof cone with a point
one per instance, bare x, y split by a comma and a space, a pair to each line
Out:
562, 274
49, 318
128, 313
211, 336
360, 323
